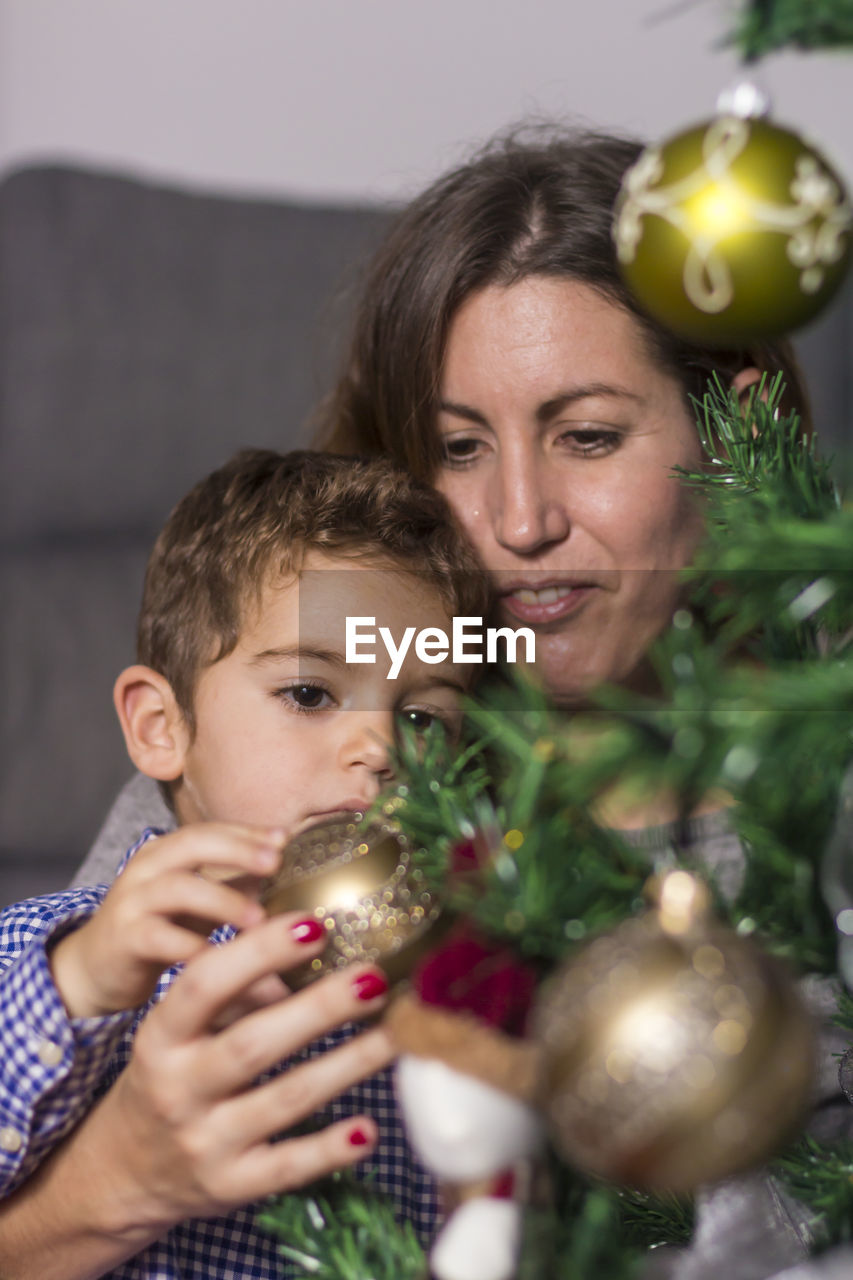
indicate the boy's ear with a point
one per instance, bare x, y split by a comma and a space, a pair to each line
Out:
155, 730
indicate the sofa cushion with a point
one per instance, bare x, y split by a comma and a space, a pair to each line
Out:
68, 630
145, 334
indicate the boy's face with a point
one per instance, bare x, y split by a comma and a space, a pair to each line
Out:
287, 732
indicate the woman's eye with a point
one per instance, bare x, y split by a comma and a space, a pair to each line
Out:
459, 450
590, 439
305, 696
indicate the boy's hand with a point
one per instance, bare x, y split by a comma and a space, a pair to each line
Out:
159, 912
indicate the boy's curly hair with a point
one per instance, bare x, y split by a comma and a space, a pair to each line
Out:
256, 517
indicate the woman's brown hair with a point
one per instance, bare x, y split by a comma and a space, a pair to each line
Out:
531, 203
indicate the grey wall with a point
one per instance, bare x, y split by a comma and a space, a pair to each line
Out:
359, 98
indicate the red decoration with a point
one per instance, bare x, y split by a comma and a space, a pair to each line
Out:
469, 856
469, 973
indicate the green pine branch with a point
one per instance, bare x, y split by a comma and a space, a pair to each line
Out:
844, 1013
775, 567
765, 26
820, 1175
752, 448
578, 1239
775, 741
342, 1229
593, 1229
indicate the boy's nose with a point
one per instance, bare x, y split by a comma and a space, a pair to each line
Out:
366, 746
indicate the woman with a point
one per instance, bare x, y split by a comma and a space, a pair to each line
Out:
497, 353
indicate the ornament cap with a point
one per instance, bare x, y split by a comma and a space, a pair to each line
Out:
744, 99
681, 899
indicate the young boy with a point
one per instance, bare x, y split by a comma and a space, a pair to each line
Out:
245, 709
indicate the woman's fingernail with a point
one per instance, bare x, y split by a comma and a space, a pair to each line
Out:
358, 1138
268, 859
307, 931
367, 986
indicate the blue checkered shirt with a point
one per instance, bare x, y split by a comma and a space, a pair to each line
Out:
52, 1068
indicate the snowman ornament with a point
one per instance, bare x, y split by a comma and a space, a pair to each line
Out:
466, 1080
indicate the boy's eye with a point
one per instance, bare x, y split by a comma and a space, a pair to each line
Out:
419, 719
305, 696
308, 695
422, 719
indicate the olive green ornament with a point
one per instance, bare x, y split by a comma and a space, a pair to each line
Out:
673, 1052
361, 883
733, 230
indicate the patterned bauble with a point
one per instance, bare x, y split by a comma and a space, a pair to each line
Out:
674, 1052
732, 231
362, 885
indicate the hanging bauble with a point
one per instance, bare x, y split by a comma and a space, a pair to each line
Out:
362, 885
674, 1052
733, 230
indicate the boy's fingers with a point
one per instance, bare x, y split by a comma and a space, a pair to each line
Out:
199, 903
168, 944
214, 845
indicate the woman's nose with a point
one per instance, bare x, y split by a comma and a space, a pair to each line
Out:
529, 512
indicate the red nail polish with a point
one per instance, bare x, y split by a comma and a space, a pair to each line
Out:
307, 931
358, 1138
367, 986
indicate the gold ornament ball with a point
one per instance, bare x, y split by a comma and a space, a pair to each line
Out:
734, 230
362, 886
673, 1052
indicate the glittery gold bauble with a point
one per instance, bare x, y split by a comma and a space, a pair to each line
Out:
733, 230
361, 885
674, 1052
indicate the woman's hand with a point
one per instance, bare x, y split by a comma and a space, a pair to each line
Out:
185, 1132
195, 1130
159, 911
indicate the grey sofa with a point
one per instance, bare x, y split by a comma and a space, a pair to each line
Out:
145, 333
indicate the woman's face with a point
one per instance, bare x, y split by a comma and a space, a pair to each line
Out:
559, 434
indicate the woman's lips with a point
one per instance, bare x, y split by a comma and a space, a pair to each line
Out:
547, 603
